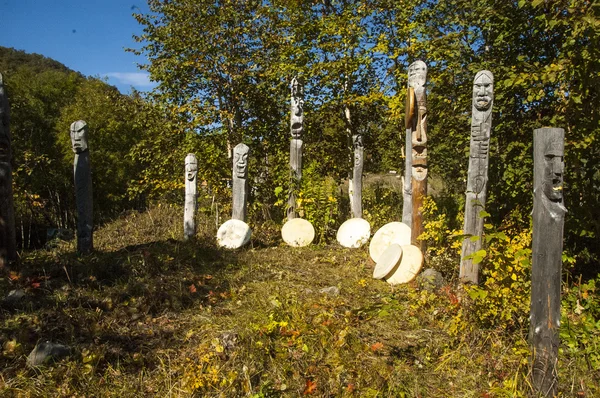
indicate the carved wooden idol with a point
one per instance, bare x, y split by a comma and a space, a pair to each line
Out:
8, 250
481, 127
296, 127
416, 129
548, 222
240, 181
356, 202
82, 171
191, 196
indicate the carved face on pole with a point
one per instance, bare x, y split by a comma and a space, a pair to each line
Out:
79, 139
191, 167
483, 90
552, 184
357, 143
297, 109
240, 160
417, 74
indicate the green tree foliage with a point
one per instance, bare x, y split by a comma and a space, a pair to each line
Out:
45, 98
225, 65
224, 68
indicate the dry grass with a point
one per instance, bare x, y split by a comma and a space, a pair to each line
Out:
150, 315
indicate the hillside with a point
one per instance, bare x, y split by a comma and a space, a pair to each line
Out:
151, 315
11, 59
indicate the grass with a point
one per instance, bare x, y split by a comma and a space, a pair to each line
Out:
150, 315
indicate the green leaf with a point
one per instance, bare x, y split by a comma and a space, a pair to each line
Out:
478, 256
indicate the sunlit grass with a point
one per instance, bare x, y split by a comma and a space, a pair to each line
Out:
151, 315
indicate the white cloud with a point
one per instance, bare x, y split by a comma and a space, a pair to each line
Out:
136, 79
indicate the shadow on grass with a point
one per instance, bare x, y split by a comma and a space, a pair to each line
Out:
119, 305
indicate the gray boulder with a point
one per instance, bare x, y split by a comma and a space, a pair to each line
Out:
47, 351
431, 279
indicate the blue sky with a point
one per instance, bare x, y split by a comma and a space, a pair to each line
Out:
88, 36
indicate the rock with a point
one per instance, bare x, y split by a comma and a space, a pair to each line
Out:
228, 340
331, 290
46, 352
14, 296
431, 279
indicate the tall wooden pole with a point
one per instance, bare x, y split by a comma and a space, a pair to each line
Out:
357, 171
191, 196
416, 132
240, 181
82, 174
8, 246
481, 127
548, 222
410, 125
417, 77
296, 128
419, 167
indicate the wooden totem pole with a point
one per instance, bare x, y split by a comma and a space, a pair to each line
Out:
357, 171
8, 246
415, 177
296, 127
82, 171
548, 222
240, 181
481, 127
191, 196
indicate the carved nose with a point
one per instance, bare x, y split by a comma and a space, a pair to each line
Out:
559, 168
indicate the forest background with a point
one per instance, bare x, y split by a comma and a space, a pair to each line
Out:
223, 70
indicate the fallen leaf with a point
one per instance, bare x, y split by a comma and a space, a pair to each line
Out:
311, 387
377, 346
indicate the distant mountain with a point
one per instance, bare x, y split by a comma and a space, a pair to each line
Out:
11, 59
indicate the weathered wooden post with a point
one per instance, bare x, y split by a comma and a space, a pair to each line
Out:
296, 127
191, 196
357, 171
481, 127
548, 222
82, 171
235, 233
8, 246
419, 155
240, 181
416, 126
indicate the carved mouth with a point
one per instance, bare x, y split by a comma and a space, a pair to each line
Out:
296, 129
